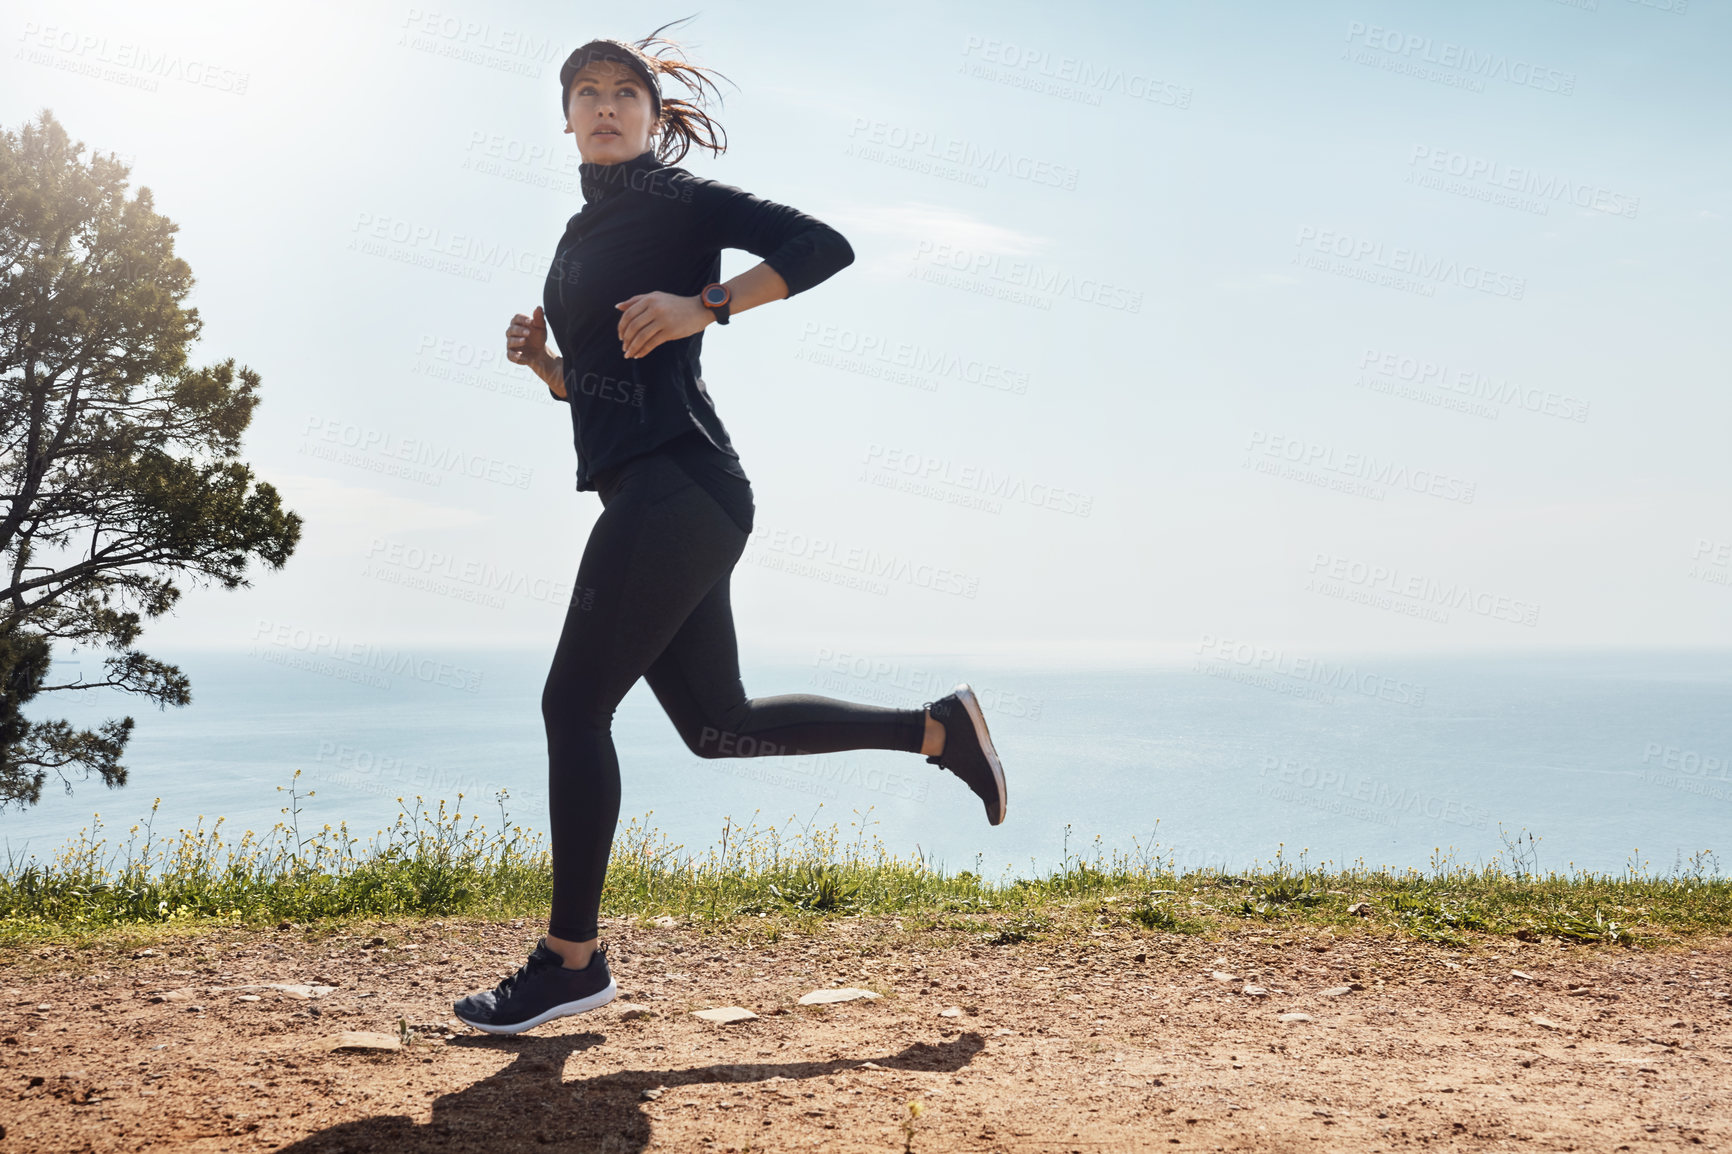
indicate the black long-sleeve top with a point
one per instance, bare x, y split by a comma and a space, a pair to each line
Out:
651, 227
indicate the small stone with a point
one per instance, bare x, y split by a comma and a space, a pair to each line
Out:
363, 1040
1295, 1017
247, 998
845, 994
1543, 1022
172, 996
1337, 991
633, 1013
1522, 976
299, 990
722, 1015
195, 1009
1223, 976
1360, 909
950, 1012
653, 1093
144, 954
665, 922
44, 1007
1257, 991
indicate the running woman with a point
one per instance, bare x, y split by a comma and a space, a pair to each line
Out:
633, 285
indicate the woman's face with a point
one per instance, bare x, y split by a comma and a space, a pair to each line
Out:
609, 109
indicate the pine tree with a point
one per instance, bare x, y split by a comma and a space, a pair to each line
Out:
119, 469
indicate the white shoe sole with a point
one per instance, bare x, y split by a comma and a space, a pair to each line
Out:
971, 706
600, 998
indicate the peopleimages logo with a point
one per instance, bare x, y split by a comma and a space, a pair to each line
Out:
476, 42
1018, 275
667, 182
381, 775
1497, 177
361, 442
1359, 466
969, 156
386, 556
1343, 676
1387, 581
893, 682
530, 154
1686, 770
916, 358
416, 243
1368, 798
1069, 76
1472, 385
606, 388
798, 552
95, 55
1408, 262
1480, 65
364, 656
987, 482
1693, 762
1713, 561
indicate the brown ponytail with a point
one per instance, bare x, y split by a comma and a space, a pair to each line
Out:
683, 122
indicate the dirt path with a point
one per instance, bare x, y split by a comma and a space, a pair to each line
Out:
1156, 1043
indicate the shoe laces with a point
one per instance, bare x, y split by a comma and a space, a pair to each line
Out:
512, 981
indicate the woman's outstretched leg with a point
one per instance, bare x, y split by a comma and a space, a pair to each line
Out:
697, 681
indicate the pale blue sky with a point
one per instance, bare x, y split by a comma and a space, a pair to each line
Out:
1247, 170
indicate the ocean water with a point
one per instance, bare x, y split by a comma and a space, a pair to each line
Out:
1610, 759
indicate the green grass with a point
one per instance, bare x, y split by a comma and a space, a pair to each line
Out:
434, 863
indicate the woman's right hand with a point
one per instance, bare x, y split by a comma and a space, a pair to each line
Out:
526, 339
526, 344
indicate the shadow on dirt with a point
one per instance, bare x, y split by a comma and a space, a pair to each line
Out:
527, 1106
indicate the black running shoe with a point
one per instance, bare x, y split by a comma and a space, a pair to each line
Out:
968, 751
542, 990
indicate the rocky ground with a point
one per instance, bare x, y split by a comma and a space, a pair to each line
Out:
1271, 1040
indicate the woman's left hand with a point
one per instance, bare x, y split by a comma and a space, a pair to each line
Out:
648, 319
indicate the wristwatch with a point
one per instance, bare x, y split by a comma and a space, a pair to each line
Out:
716, 298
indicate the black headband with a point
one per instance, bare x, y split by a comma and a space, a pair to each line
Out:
618, 53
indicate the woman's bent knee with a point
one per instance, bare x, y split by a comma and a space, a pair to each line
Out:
562, 714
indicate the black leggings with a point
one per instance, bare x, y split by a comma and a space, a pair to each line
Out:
652, 601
